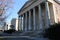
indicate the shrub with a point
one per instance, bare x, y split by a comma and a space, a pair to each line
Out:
9, 31
53, 32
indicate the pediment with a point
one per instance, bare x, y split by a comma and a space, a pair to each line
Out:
58, 1
29, 2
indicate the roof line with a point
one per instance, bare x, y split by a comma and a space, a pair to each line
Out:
22, 7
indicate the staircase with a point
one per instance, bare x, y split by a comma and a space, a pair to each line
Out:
38, 34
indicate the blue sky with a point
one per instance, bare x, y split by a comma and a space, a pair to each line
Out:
16, 7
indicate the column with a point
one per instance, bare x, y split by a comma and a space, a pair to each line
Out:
26, 21
47, 14
34, 25
20, 23
23, 22
29, 20
40, 18
54, 12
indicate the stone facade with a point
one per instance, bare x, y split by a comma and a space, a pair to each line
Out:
39, 14
14, 22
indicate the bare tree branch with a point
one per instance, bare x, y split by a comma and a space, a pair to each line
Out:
4, 6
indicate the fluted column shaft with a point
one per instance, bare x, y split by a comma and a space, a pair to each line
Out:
29, 20
47, 14
26, 21
34, 21
40, 17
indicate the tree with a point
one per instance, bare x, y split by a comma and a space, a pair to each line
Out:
53, 32
11, 30
12, 26
4, 6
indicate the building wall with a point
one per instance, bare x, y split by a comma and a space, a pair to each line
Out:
7, 26
15, 23
57, 7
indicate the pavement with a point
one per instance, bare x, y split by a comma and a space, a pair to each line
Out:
22, 38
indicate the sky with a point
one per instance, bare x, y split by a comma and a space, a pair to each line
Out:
14, 11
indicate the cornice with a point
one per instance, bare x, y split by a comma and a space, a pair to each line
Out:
57, 1
26, 4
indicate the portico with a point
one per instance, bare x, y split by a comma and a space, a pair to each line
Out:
37, 15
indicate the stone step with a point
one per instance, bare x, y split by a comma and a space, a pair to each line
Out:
32, 34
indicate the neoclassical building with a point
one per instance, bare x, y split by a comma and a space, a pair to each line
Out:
39, 14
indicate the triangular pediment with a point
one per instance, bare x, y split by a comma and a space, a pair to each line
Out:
27, 4
58, 1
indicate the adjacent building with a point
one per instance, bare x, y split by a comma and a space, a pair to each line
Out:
37, 15
14, 22
20, 23
7, 26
